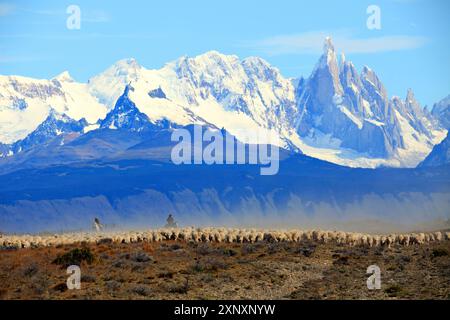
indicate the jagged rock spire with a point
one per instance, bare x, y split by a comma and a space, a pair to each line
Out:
325, 76
328, 45
341, 61
127, 89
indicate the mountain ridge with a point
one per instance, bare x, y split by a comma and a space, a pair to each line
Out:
337, 114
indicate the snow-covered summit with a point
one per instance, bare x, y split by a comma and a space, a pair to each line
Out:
108, 85
355, 110
441, 111
55, 124
26, 102
64, 76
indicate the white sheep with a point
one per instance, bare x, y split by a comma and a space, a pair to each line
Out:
259, 236
315, 235
307, 235
296, 236
438, 236
225, 235
417, 238
404, 239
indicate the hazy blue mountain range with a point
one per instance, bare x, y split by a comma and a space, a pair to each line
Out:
141, 192
72, 151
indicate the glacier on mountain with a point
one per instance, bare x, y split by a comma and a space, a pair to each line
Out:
25, 103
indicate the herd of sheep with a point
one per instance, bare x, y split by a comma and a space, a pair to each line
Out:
226, 235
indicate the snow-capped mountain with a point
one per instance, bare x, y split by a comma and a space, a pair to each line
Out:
441, 111
337, 105
56, 124
211, 88
440, 155
25, 103
108, 86
126, 115
337, 114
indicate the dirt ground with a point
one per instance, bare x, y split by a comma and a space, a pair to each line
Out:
178, 270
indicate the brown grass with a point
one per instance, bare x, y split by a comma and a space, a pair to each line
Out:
179, 270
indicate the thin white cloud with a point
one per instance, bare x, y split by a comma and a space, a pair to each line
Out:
17, 59
96, 17
6, 9
47, 12
76, 36
91, 16
312, 42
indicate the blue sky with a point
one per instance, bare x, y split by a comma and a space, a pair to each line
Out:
412, 48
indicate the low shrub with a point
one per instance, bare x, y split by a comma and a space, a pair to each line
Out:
141, 257
393, 290
439, 252
248, 248
209, 265
75, 257
87, 278
178, 287
229, 252
30, 270
112, 285
141, 290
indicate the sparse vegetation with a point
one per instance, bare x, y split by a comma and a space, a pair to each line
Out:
393, 290
439, 252
209, 264
112, 285
341, 260
226, 271
40, 284
75, 257
179, 287
141, 257
30, 270
205, 249
175, 247
142, 290
248, 248
61, 287
229, 252
306, 251
88, 278
105, 241
275, 247
165, 275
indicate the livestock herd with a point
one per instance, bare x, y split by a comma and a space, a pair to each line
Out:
226, 235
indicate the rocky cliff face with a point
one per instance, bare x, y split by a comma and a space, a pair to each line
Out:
441, 112
440, 155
